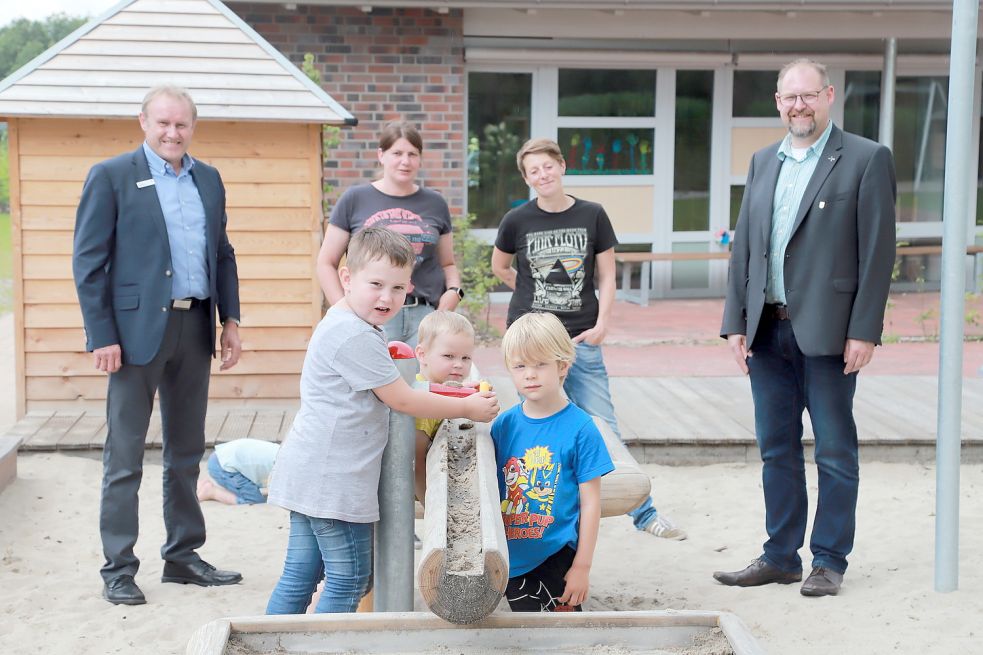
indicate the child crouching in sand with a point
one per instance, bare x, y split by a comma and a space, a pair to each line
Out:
327, 470
550, 459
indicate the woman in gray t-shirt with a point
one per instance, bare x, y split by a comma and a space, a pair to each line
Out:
396, 201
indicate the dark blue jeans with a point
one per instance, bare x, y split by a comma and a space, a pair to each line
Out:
587, 387
784, 382
247, 492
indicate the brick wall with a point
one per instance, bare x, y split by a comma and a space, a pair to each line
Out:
380, 66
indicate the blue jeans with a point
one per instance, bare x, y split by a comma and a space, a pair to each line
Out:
338, 551
784, 382
247, 492
404, 325
587, 387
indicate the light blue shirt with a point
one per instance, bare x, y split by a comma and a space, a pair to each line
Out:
184, 215
252, 457
793, 178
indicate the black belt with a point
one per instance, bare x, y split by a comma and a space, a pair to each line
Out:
413, 301
777, 312
185, 304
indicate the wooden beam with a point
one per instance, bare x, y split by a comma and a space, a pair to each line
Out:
16, 235
464, 564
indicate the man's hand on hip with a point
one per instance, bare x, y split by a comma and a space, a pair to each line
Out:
108, 359
231, 345
856, 355
738, 346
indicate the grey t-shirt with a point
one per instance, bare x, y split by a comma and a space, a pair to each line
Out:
422, 217
329, 464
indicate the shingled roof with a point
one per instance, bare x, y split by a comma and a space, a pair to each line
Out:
104, 68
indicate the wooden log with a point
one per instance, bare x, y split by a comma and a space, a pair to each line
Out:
627, 486
464, 565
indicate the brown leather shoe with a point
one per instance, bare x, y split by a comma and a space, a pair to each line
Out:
757, 573
822, 582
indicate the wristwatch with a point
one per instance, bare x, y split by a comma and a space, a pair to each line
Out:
458, 290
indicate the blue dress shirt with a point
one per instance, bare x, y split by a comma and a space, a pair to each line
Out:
792, 181
184, 215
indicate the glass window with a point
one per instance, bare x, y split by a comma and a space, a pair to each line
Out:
754, 94
862, 103
691, 274
979, 181
919, 146
607, 151
691, 180
736, 196
593, 92
498, 124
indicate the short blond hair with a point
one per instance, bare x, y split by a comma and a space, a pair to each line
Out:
537, 147
803, 61
537, 337
173, 91
442, 322
374, 243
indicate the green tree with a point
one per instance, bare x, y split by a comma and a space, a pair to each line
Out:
23, 39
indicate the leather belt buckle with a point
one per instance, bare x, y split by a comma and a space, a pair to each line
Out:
183, 304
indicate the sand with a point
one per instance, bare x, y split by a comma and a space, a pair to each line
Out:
50, 556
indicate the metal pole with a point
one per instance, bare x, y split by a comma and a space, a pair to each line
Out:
885, 132
962, 62
393, 572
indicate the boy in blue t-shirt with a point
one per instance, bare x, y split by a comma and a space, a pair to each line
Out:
550, 457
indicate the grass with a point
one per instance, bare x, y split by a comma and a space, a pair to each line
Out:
6, 266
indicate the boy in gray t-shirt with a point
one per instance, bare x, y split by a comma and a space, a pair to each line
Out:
327, 471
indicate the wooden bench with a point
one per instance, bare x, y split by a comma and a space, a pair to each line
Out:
645, 259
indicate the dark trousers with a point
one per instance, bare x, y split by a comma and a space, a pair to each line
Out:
180, 373
784, 382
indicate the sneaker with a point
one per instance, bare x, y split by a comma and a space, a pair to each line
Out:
417, 544
663, 527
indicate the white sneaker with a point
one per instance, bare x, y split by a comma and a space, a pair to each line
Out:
663, 527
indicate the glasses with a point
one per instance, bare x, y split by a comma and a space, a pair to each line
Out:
808, 98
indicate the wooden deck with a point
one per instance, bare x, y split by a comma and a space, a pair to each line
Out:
665, 420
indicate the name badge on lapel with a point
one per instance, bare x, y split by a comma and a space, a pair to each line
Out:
143, 184
822, 204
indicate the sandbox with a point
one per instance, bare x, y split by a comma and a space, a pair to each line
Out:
418, 633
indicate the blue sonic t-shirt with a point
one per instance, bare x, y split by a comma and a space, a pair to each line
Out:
541, 462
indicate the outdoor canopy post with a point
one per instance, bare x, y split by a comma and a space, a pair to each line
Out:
958, 164
393, 559
885, 131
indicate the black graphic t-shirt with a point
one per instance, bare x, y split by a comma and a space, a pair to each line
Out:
421, 217
554, 258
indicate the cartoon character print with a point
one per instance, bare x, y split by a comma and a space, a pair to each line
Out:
516, 483
542, 487
531, 482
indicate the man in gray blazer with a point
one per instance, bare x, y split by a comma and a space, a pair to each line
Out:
809, 278
152, 263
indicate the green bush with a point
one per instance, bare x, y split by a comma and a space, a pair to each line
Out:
473, 259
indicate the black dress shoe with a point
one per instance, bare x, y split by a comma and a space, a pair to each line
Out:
822, 582
200, 573
757, 573
122, 590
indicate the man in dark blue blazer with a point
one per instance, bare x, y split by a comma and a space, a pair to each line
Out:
152, 264
809, 278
